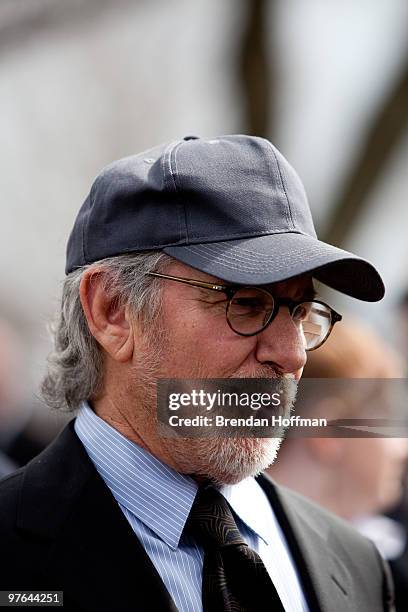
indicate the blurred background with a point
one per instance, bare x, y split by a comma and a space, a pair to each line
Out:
83, 82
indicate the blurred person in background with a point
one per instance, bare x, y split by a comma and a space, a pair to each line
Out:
356, 478
400, 512
194, 259
6, 465
17, 445
403, 318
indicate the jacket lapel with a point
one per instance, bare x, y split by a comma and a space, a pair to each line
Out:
93, 553
325, 578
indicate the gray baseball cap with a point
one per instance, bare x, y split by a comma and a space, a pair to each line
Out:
230, 206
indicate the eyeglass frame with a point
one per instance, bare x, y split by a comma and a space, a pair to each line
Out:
231, 290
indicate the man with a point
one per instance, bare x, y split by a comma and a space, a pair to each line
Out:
115, 515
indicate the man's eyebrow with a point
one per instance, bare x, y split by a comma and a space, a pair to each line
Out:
308, 294
302, 295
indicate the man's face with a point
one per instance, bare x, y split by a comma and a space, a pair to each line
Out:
196, 342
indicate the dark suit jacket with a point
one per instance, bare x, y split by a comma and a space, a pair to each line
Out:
61, 529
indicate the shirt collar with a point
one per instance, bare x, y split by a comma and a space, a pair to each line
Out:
250, 504
155, 493
151, 490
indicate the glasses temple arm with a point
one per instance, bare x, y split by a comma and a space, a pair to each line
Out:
194, 283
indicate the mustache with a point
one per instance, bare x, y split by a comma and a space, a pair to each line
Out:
263, 371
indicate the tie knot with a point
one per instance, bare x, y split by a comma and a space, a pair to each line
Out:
211, 520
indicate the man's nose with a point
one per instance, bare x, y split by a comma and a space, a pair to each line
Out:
281, 344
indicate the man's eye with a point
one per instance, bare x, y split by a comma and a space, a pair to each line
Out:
247, 306
300, 313
248, 303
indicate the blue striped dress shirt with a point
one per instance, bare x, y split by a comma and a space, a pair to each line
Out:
156, 500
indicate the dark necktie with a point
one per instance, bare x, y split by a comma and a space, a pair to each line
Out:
234, 576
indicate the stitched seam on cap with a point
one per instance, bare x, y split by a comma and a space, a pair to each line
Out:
231, 237
275, 265
236, 256
264, 262
83, 241
176, 150
270, 231
86, 224
217, 249
244, 256
167, 159
288, 212
172, 152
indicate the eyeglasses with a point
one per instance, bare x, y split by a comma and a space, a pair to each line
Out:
251, 309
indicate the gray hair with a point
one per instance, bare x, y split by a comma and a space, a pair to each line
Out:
75, 366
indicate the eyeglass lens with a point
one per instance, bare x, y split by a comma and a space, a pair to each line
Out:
250, 310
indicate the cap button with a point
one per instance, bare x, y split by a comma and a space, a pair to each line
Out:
191, 138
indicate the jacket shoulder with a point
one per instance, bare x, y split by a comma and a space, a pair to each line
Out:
370, 573
35, 503
10, 488
324, 522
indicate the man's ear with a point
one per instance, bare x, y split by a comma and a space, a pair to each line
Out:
108, 322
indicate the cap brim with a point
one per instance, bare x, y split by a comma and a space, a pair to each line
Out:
277, 257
